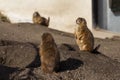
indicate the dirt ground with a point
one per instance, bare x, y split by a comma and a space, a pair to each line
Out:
20, 60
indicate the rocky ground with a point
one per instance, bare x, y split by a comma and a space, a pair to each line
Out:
20, 60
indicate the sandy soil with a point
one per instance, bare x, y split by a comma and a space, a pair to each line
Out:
19, 58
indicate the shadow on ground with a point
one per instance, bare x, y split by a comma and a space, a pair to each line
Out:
70, 64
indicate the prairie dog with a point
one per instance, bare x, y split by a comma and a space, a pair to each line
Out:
37, 19
50, 57
84, 36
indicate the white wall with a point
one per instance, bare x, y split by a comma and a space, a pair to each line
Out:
63, 13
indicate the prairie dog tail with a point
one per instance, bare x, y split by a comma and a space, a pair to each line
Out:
48, 21
96, 49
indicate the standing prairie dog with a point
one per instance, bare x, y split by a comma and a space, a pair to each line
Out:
84, 36
37, 19
50, 57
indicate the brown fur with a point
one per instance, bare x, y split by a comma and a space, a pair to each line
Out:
37, 19
84, 36
50, 57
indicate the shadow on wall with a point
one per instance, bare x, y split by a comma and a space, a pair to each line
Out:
116, 13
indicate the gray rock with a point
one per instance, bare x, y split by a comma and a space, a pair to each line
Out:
16, 54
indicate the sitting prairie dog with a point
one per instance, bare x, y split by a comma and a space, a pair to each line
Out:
37, 19
50, 57
84, 36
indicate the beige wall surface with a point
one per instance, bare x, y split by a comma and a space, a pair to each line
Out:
62, 13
